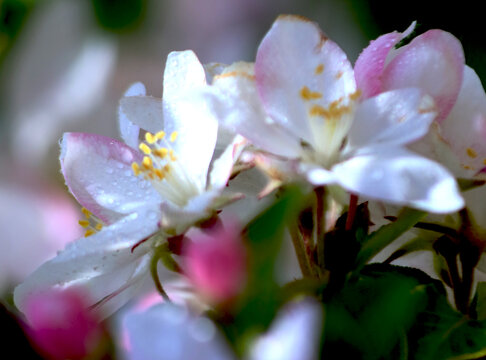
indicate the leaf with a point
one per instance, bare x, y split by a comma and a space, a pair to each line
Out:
480, 300
386, 234
258, 305
371, 317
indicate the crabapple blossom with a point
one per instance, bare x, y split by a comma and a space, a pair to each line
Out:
135, 198
301, 106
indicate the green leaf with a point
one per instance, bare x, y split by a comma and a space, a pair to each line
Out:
371, 317
469, 184
480, 300
258, 305
385, 235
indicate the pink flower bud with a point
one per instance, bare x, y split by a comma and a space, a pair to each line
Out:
61, 325
216, 263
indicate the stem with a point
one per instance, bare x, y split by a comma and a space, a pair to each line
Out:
300, 251
321, 224
353, 204
155, 277
455, 280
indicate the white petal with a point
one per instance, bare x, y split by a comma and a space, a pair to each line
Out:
222, 167
143, 111
317, 175
183, 72
238, 107
179, 219
104, 263
128, 130
98, 172
298, 67
295, 334
400, 177
197, 130
465, 127
171, 332
395, 117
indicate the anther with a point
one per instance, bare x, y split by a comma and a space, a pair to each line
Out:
89, 232
136, 169
149, 138
145, 149
147, 163
173, 136
83, 223
86, 212
160, 135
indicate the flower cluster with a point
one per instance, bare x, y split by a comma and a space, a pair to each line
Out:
404, 128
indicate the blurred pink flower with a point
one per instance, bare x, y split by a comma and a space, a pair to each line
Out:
61, 325
37, 221
216, 263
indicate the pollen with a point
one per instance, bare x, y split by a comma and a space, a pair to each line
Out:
318, 110
160, 135
147, 163
173, 136
136, 169
83, 223
484, 161
86, 212
145, 148
355, 95
150, 138
471, 153
319, 69
307, 94
89, 232
161, 153
172, 155
92, 224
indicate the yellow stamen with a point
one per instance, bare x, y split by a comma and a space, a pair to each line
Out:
318, 110
145, 149
86, 212
149, 138
99, 226
172, 155
161, 153
319, 69
471, 153
159, 174
160, 135
355, 95
83, 223
307, 94
147, 163
173, 136
136, 169
89, 232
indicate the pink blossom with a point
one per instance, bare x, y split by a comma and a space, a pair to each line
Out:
61, 325
216, 263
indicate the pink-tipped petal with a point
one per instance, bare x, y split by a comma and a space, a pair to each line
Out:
371, 62
98, 172
105, 264
433, 62
297, 67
